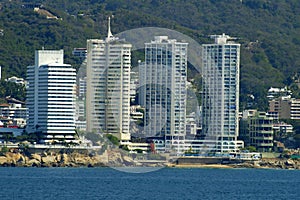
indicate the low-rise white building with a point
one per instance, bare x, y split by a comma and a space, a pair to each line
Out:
13, 113
277, 92
16, 80
283, 129
135, 112
134, 84
191, 124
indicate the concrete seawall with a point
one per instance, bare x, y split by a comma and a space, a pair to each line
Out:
205, 160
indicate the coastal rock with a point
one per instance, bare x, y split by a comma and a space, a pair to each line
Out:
36, 157
58, 158
65, 158
251, 165
115, 158
103, 158
278, 164
99, 160
33, 163
297, 165
256, 163
290, 162
13, 157
128, 161
84, 161
3, 160
76, 158
48, 159
72, 157
22, 161
44, 154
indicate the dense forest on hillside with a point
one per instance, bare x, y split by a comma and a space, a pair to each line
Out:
269, 32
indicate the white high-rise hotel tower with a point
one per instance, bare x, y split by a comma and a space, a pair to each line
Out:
51, 96
220, 102
108, 86
163, 79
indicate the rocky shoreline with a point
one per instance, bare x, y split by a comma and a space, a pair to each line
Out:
115, 158
274, 163
109, 158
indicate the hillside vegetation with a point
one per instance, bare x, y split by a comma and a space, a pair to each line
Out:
269, 32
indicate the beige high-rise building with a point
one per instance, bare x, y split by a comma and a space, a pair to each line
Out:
108, 86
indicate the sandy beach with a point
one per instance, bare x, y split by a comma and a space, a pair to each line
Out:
220, 166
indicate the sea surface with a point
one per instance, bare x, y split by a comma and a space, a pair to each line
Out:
165, 183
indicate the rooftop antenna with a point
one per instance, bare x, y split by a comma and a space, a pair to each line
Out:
109, 34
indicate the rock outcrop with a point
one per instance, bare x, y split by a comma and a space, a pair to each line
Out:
111, 158
275, 163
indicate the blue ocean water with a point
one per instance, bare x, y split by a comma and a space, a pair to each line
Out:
166, 183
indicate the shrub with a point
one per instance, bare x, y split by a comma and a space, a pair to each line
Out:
113, 139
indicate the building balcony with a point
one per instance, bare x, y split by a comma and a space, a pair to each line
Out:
265, 125
262, 132
263, 138
264, 144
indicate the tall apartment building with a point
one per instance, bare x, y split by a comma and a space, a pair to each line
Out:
163, 78
108, 86
51, 96
220, 100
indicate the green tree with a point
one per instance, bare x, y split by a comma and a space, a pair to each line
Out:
113, 139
